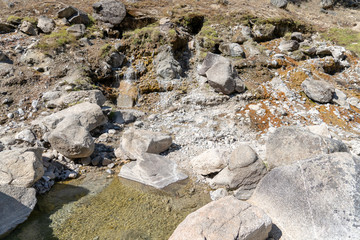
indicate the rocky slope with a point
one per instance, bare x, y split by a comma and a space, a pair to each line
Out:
259, 100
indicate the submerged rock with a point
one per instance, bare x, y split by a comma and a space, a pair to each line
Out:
153, 170
317, 198
16, 205
227, 218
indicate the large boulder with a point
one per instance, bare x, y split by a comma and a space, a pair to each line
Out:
90, 116
318, 90
227, 218
109, 11
210, 161
153, 170
209, 61
71, 139
316, 198
45, 24
290, 144
243, 172
21, 167
16, 205
135, 142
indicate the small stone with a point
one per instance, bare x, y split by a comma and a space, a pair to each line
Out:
95, 161
86, 161
111, 165
10, 115
106, 162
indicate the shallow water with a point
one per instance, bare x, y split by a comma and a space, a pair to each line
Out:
111, 209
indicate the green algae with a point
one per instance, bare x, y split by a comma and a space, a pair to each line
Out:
101, 208
127, 210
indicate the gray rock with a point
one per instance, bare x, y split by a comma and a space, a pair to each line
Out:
326, 4
289, 45
210, 161
263, 32
167, 67
297, 36
26, 135
208, 62
16, 205
90, 116
123, 117
4, 58
227, 218
135, 142
300, 198
109, 11
318, 90
221, 76
232, 49
21, 167
290, 144
218, 193
242, 34
153, 170
6, 69
116, 59
91, 96
45, 24
339, 97
74, 15
279, 3
78, 30
28, 28
71, 139
243, 172
321, 130
240, 86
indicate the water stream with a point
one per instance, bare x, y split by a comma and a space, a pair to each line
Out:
96, 207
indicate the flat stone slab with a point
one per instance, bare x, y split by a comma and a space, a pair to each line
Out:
153, 170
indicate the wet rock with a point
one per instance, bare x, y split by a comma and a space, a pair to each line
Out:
317, 90
243, 172
290, 144
279, 3
16, 205
167, 67
210, 161
90, 116
28, 28
153, 170
71, 139
45, 24
21, 167
134, 142
232, 49
263, 32
227, 218
78, 30
290, 45
74, 15
303, 192
109, 11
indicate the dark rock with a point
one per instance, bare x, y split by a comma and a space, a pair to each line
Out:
109, 11
78, 30
6, 28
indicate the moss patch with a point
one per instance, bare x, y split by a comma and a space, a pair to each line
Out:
344, 37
